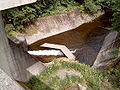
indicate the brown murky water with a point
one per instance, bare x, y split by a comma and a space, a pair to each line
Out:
87, 40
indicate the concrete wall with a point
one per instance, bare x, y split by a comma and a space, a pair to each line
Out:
5, 51
108, 56
52, 25
22, 60
14, 60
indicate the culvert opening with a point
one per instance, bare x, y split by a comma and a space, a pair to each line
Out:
85, 40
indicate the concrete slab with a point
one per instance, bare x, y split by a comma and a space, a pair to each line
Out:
36, 69
63, 48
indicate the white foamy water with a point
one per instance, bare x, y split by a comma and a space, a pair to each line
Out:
46, 53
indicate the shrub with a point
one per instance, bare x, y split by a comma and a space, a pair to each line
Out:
116, 15
91, 7
114, 6
20, 16
9, 28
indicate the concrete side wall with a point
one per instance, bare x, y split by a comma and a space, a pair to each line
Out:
106, 57
22, 60
13, 59
52, 25
5, 51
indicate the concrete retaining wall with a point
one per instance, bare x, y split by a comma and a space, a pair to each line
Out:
52, 25
14, 60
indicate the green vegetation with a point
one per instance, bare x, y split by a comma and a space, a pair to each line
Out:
10, 30
114, 6
93, 79
91, 6
17, 18
116, 15
114, 52
114, 76
21, 16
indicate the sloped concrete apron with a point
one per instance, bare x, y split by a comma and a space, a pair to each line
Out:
106, 59
53, 25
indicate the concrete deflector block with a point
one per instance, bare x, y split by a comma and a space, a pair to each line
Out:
63, 48
37, 68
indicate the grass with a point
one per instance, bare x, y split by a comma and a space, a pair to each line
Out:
114, 76
93, 79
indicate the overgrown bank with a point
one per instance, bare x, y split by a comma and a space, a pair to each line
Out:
17, 18
91, 79
113, 75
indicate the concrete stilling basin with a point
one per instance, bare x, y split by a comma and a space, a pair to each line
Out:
86, 40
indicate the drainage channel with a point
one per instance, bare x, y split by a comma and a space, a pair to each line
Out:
86, 41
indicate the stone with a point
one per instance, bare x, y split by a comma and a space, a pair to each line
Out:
62, 74
37, 68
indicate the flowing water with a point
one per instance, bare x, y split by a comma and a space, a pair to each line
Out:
86, 40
